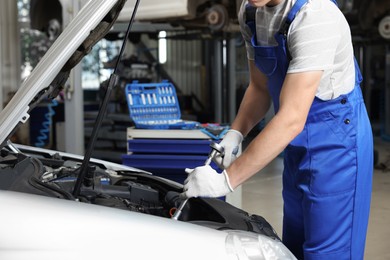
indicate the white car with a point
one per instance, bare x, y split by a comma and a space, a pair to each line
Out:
56, 206
49, 15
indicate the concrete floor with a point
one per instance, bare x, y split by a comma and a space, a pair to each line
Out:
262, 195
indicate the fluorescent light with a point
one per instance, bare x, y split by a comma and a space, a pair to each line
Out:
162, 47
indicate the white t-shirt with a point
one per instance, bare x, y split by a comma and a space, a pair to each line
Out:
319, 38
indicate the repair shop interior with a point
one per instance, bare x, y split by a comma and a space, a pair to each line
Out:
194, 129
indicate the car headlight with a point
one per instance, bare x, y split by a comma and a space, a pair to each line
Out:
252, 246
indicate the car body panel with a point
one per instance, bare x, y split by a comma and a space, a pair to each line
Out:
149, 10
35, 227
51, 15
162, 10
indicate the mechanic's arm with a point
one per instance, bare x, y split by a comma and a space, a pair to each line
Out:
253, 108
255, 102
296, 97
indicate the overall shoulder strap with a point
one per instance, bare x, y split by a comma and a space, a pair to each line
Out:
250, 17
250, 13
291, 15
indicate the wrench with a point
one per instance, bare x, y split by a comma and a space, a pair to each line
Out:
215, 148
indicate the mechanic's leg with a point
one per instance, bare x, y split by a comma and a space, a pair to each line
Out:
329, 200
336, 225
328, 224
363, 186
336, 203
293, 229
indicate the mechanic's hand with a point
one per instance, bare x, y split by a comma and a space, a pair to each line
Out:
231, 144
204, 181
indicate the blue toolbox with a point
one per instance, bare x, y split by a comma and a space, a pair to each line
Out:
155, 106
167, 153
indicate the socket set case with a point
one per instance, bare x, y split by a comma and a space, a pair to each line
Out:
155, 106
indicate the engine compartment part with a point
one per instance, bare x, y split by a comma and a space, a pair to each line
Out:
55, 176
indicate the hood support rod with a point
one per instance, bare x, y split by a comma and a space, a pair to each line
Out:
111, 84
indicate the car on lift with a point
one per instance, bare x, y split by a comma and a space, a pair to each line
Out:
56, 205
369, 18
216, 15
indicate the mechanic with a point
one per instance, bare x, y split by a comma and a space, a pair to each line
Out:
301, 59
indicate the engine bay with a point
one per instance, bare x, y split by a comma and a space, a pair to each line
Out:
54, 175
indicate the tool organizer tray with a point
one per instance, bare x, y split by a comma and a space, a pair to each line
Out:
155, 106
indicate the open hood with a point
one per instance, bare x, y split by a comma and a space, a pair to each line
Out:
93, 21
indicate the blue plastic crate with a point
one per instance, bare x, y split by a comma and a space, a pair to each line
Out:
155, 106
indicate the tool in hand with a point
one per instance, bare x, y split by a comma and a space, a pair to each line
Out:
215, 148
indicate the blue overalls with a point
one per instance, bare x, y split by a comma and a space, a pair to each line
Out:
328, 167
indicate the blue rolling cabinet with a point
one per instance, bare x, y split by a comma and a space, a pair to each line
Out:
167, 153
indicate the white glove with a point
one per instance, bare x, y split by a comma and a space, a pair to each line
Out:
204, 181
231, 143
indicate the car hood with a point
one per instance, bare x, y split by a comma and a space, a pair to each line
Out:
92, 22
121, 234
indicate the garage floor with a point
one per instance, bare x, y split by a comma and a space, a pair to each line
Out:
262, 195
